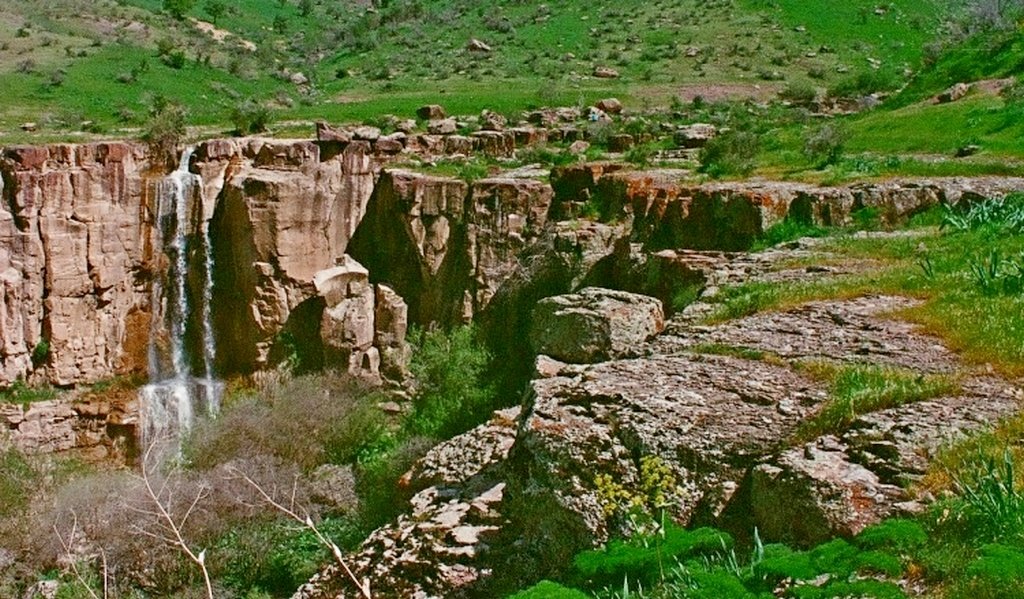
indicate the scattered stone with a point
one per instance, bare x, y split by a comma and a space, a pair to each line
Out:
605, 73
696, 135
610, 106
692, 51
406, 126
366, 133
431, 112
29, 127
476, 45
579, 147
325, 132
954, 93
298, 79
492, 121
446, 126
968, 150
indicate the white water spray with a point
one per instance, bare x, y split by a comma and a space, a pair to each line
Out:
174, 396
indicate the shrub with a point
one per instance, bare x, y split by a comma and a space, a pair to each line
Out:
730, 154
991, 507
643, 559
179, 8
824, 146
865, 83
998, 213
799, 93
546, 589
452, 395
250, 116
308, 421
165, 128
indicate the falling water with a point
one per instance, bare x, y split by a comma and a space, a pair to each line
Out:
170, 402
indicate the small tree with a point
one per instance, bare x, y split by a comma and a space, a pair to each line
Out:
215, 9
179, 8
165, 127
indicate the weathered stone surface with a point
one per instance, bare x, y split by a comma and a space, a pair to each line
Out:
594, 325
954, 93
73, 244
325, 132
276, 224
446, 126
724, 426
431, 112
811, 493
668, 214
602, 72
444, 247
92, 428
696, 135
610, 105
449, 529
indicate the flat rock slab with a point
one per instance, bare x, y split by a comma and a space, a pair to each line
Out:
855, 330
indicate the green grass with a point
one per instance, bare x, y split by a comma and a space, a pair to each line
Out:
985, 328
363, 64
860, 389
24, 394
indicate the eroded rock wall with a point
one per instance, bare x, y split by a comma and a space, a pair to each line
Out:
75, 260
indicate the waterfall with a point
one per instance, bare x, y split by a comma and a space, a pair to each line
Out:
175, 395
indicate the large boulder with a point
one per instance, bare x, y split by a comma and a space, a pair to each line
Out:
595, 324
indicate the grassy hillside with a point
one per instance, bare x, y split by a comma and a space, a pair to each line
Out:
68, 62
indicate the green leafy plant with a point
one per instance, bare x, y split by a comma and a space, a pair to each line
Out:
730, 154
250, 116
452, 395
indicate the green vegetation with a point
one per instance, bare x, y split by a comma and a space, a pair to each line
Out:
22, 393
64, 68
985, 327
452, 396
863, 388
969, 545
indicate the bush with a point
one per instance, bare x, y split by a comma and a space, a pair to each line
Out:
731, 154
308, 421
452, 395
824, 146
549, 590
179, 8
799, 93
165, 128
865, 83
250, 116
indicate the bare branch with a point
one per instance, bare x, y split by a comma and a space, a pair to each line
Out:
305, 520
167, 521
67, 547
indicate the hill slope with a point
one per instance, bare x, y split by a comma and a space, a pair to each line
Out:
65, 62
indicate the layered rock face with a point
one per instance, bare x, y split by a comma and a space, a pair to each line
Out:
280, 213
667, 214
75, 257
445, 246
77, 236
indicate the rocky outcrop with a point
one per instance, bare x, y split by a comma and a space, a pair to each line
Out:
594, 325
93, 428
724, 425
361, 323
75, 255
445, 246
667, 213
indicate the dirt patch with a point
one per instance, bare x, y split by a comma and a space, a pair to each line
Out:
221, 35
